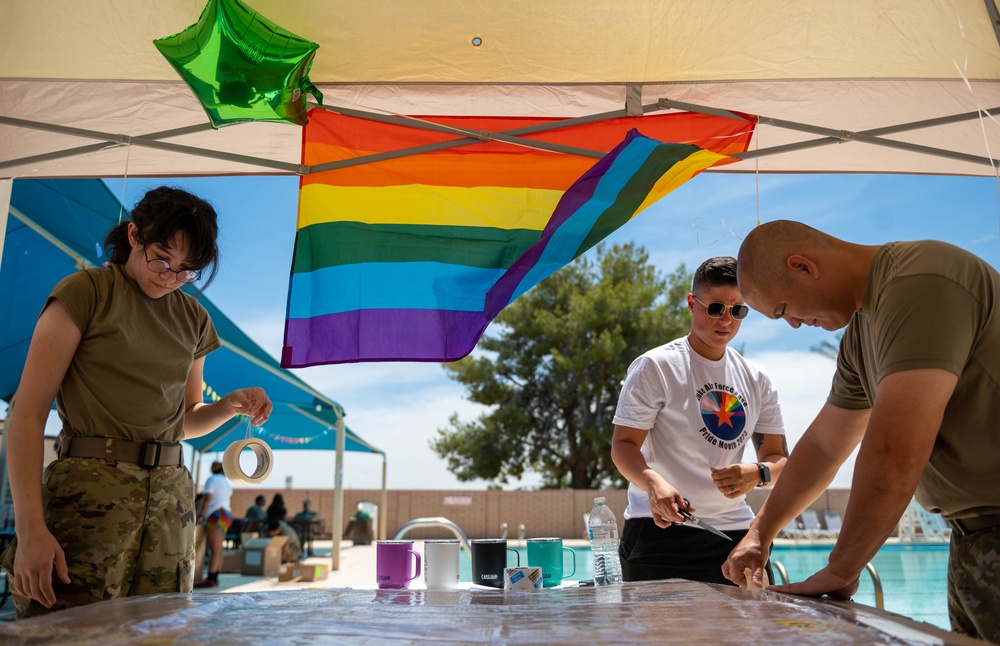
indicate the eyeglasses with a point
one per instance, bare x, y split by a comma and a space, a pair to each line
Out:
160, 266
716, 310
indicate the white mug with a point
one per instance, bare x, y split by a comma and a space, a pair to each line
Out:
441, 564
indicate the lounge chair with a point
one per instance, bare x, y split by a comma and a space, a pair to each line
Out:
833, 521
918, 525
810, 520
933, 526
795, 530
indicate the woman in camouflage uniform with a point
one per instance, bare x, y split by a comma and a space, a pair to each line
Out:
121, 350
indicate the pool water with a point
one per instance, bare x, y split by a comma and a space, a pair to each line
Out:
914, 575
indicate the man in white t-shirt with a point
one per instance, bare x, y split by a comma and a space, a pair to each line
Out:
685, 413
217, 516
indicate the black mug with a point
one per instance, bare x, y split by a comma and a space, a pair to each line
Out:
489, 559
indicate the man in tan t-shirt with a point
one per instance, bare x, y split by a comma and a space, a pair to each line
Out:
917, 385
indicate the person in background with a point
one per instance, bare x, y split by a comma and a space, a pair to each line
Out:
303, 524
685, 413
200, 541
276, 510
256, 511
307, 514
917, 386
121, 349
291, 552
217, 517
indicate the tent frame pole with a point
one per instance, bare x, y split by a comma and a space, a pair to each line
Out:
147, 142
842, 136
830, 135
991, 9
471, 137
94, 148
383, 514
338, 494
6, 188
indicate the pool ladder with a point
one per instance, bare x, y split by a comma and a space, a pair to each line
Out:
520, 531
434, 521
876, 581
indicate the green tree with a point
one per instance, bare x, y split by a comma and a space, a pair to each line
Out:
551, 369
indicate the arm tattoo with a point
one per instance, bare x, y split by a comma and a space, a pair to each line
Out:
758, 439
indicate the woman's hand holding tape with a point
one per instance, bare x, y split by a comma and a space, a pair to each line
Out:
231, 461
252, 402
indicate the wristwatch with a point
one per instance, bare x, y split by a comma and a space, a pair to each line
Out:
765, 474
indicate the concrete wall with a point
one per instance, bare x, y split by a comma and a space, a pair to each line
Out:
481, 514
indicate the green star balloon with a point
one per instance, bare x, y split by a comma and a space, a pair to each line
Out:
243, 67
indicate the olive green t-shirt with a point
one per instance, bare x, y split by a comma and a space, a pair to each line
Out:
933, 305
128, 374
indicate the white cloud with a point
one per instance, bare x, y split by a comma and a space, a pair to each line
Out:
803, 382
396, 407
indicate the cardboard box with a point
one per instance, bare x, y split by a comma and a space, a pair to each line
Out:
303, 572
262, 556
232, 561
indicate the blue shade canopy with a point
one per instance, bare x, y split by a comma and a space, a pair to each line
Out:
56, 227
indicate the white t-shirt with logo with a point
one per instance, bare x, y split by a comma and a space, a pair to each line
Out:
699, 413
222, 491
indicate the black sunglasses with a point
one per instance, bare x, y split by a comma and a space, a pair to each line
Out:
716, 310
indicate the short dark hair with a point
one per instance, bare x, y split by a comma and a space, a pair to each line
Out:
164, 212
715, 272
260, 500
273, 524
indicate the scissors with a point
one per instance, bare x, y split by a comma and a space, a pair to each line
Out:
689, 517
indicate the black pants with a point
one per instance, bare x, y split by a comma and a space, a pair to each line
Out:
650, 553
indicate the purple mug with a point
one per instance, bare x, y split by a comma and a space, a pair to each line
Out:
396, 564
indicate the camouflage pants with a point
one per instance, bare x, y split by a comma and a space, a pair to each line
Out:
126, 531
974, 584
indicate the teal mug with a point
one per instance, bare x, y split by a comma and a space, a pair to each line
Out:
547, 553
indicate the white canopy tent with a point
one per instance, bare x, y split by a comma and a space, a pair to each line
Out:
910, 86
901, 82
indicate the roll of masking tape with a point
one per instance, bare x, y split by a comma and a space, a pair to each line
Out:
753, 586
231, 461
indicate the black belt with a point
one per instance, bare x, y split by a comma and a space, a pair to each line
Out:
147, 454
966, 526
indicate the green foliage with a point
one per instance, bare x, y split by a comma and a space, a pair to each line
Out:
550, 369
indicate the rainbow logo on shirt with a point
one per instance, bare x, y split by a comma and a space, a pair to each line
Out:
723, 414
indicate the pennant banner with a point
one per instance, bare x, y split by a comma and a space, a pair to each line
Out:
409, 259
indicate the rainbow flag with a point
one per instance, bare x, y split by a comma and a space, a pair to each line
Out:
410, 258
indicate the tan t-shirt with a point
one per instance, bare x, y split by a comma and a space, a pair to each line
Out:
933, 305
128, 375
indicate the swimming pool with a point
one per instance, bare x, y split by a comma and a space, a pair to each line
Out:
914, 575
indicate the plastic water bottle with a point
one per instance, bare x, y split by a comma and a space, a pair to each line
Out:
603, 530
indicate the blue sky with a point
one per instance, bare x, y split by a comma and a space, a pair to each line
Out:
399, 406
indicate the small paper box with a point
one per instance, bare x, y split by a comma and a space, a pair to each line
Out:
522, 578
